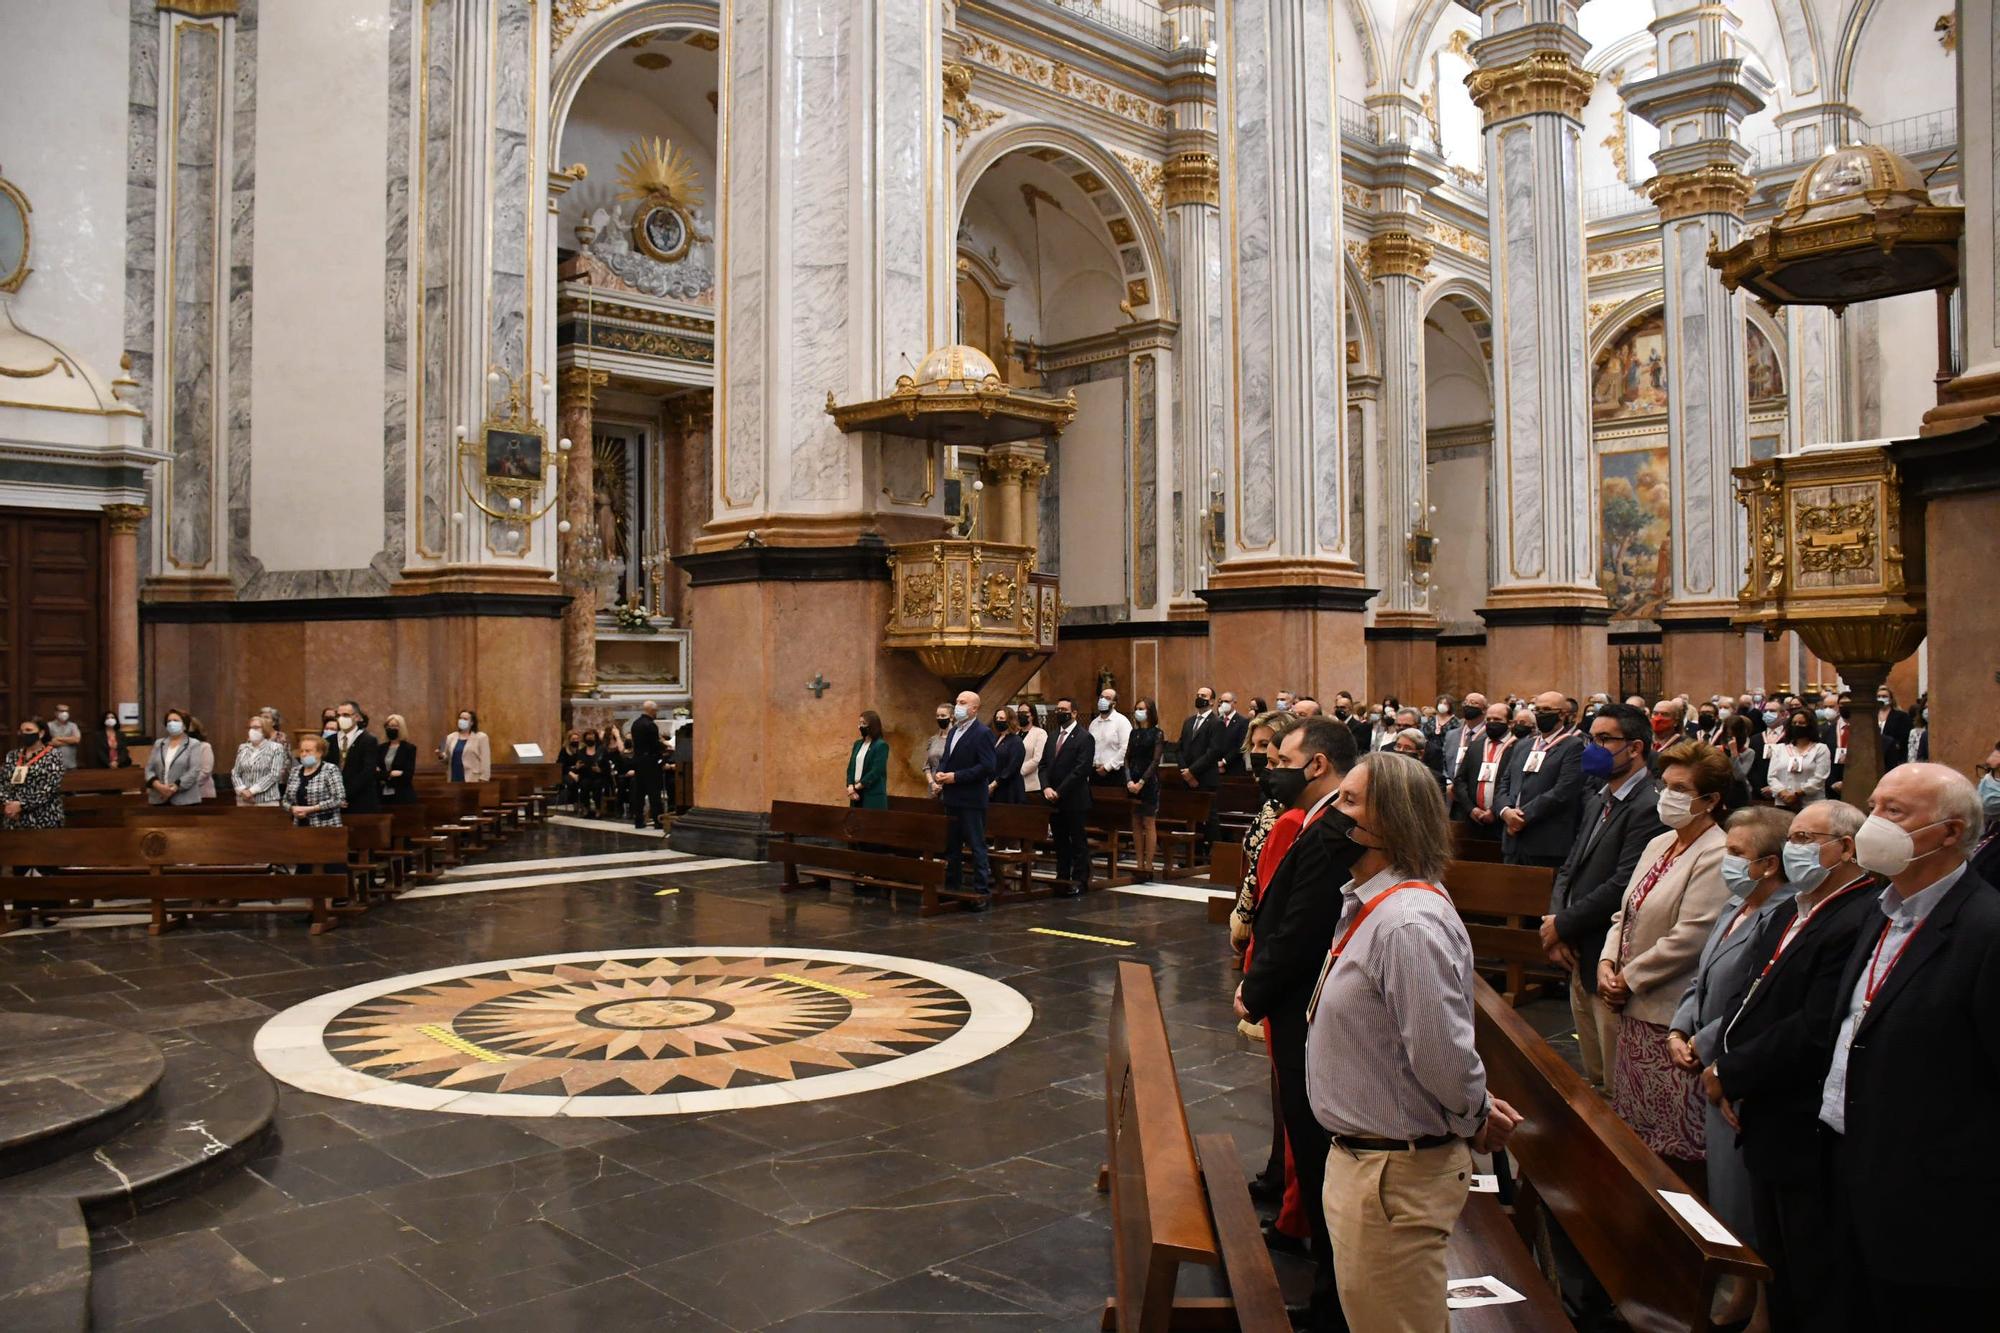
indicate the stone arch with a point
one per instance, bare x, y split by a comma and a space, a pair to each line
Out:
601, 34
1416, 39
1618, 320
1470, 300
1069, 147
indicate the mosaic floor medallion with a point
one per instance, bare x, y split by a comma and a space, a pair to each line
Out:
641, 1031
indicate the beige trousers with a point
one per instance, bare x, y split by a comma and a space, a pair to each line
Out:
1596, 1026
1389, 1215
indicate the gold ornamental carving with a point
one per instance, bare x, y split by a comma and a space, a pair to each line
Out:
1547, 81
1710, 189
124, 520
963, 606
201, 9
1065, 81
1837, 538
1193, 176
578, 385
1402, 254
957, 87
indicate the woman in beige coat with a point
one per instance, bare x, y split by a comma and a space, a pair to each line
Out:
466, 752
1653, 948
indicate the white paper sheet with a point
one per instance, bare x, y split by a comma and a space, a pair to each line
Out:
1485, 1184
1705, 1223
1466, 1293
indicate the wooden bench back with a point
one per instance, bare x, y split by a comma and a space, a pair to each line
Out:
370, 833
408, 819
1184, 804
210, 813
217, 843
921, 832
1588, 1168
1027, 820
1469, 846
1226, 864
98, 780
1159, 1207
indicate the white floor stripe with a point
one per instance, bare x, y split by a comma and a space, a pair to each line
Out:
484, 868
588, 877
605, 826
1191, 893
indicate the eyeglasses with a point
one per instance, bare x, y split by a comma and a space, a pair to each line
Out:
1608, 739
1985, 770
1810, 839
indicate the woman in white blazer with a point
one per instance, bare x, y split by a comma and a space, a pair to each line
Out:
467, 754
1654, 948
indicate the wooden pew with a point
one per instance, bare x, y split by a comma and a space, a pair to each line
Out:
1237, 802
410, 823
99, 781
1023, 828
1226, 863
217, 867
1183, 815
1502, 907
1170, 1205
1109, 828
1579, 1163
907, 849
1469, 846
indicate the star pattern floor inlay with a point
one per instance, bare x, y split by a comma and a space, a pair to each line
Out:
641, 1031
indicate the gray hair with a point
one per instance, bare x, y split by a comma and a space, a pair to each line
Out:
1843, 819
1766, 824
1957, 798
1412, 734
1406, 813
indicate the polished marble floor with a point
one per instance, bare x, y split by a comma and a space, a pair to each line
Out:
961, 1199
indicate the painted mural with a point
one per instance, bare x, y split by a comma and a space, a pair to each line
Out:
1630, 379
1767, 377
1636, 532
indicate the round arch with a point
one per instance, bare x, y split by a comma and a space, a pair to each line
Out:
602, 35
1087, 156
1361, 313
1416, 39
1623, 317
1473, 304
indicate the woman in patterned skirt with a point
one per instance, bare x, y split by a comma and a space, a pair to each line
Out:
1652, 951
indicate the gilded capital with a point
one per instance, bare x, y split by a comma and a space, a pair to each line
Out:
1547, 81
578, 385
1398, 254
201, 9
1720, 188
1192, 176
125, 519
957, 87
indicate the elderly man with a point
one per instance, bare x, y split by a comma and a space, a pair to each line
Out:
1541, 788
649, 758
1456, 737
1305, 706
1110, 732
1775, 1049
1669, 721
1915, 1071
1236, 730
967, 765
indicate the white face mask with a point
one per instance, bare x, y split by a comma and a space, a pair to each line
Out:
1887, 848
110, 723
62, 714
465, 724
1226, 708
1676, 808
256, 735
344, 723
1139, 715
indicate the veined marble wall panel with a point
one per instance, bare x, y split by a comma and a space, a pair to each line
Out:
513, 217
432, 414
142, 142
746, 157
1249, 148
1325, 278
241, 295
65, 148
906, 109
1518, 262
1145, 481
1694, 407
817, 195
194, 93
318, 343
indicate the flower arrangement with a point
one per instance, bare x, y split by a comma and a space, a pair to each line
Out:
632, 617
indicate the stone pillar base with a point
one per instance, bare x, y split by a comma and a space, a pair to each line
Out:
1304, 634
1702, 655
1531, 648
1403, 656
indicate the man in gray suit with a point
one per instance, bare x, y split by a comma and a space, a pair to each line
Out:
1455, 736
1619, 818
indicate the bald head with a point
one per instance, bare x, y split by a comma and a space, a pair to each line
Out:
1551, 701
969, 701
1920, 797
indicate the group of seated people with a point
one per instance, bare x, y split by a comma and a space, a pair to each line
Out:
1796, 1008
342, 767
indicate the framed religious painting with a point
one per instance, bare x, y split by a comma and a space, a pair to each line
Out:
513, 455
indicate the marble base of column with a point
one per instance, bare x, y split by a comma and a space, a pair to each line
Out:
1701, 653
1547, 639
1403, 655
796, 615
1187, 608
190, 588
1287, 625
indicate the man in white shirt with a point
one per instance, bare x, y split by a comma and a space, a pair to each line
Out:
1112, 731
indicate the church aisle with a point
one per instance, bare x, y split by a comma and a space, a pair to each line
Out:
963, 1199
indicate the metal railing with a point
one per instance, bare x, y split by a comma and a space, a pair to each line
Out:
1149, 21
1912, 136
1355, 122
1613, 200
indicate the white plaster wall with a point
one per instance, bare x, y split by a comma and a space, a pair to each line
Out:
62, 143
318, 303
1907, 327
1093, 498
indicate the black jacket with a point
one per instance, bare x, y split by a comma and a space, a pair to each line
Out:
1200, 747
1066, 768
400, 755
646, 747
1551, 798
1923, 1074
1233, 737
361, 772
1592, 881
1292, 932
1465, 779
95, 751
1776, 1050
1986, 859
1008, 753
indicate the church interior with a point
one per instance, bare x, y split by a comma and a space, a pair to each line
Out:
589, 409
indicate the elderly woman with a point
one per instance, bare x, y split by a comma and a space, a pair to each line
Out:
315, 791
258, 774
1653, 949
173, 770
31, 788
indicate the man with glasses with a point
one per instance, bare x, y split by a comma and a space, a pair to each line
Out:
1620, 816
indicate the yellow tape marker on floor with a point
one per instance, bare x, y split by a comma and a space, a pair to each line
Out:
821, 985
446, 1037
1072, 935
664, 892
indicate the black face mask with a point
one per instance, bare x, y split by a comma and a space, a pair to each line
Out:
1200, 705
1259, 762
1340, 710
943, 723
29, 738
1521, 730
863, 729
999, 725
1800, 730
1547, 722
1472, 712
1064, 719
1708, 719
1496, 731
1286, 785
392, 732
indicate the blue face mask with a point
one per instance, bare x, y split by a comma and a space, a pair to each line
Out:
308, 761
958, 713
1598, 761
1770, 718
175, 726
1989, 796
1737, 877
1802, 868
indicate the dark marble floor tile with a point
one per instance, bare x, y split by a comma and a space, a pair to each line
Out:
820, 1181
664, 1223
512, 1265
460, 1143
375, 1294
870, 1321
146, 1281
619, 1303
1010, 1127
322, 1237
931, 1292
801, 1125
1058, 1269
208, 1317
486, 1199
906, 1232
673, 1148
758, 1281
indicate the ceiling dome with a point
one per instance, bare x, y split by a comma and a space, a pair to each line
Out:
956, 367
1852, 181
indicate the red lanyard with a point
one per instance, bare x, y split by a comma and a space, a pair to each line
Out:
29, 762
1554, 739
1798, 925
1327, 969
1876, 983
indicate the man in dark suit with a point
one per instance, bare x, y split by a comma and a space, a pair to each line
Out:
1200, 744
1915, 1068
1619, 818
963, 772
1455, 736
359, 755
1066, 763
1475, 787
647, 757
1291, 933
1541, 789
1354, 719
1774, 1054
1235, 731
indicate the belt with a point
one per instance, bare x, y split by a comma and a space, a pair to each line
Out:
1354, 1143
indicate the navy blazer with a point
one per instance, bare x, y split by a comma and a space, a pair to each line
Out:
1009, 752
969, 760
1551, 798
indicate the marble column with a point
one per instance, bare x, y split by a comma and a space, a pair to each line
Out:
1699, 104
1286, 603
1194, 244
121, 611
1546, 615
577, 394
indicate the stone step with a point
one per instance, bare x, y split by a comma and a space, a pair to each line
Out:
44, 1267
68, 1084
207, 1115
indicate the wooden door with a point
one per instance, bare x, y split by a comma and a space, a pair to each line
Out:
51, 614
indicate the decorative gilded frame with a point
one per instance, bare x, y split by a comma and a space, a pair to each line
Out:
11, 282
